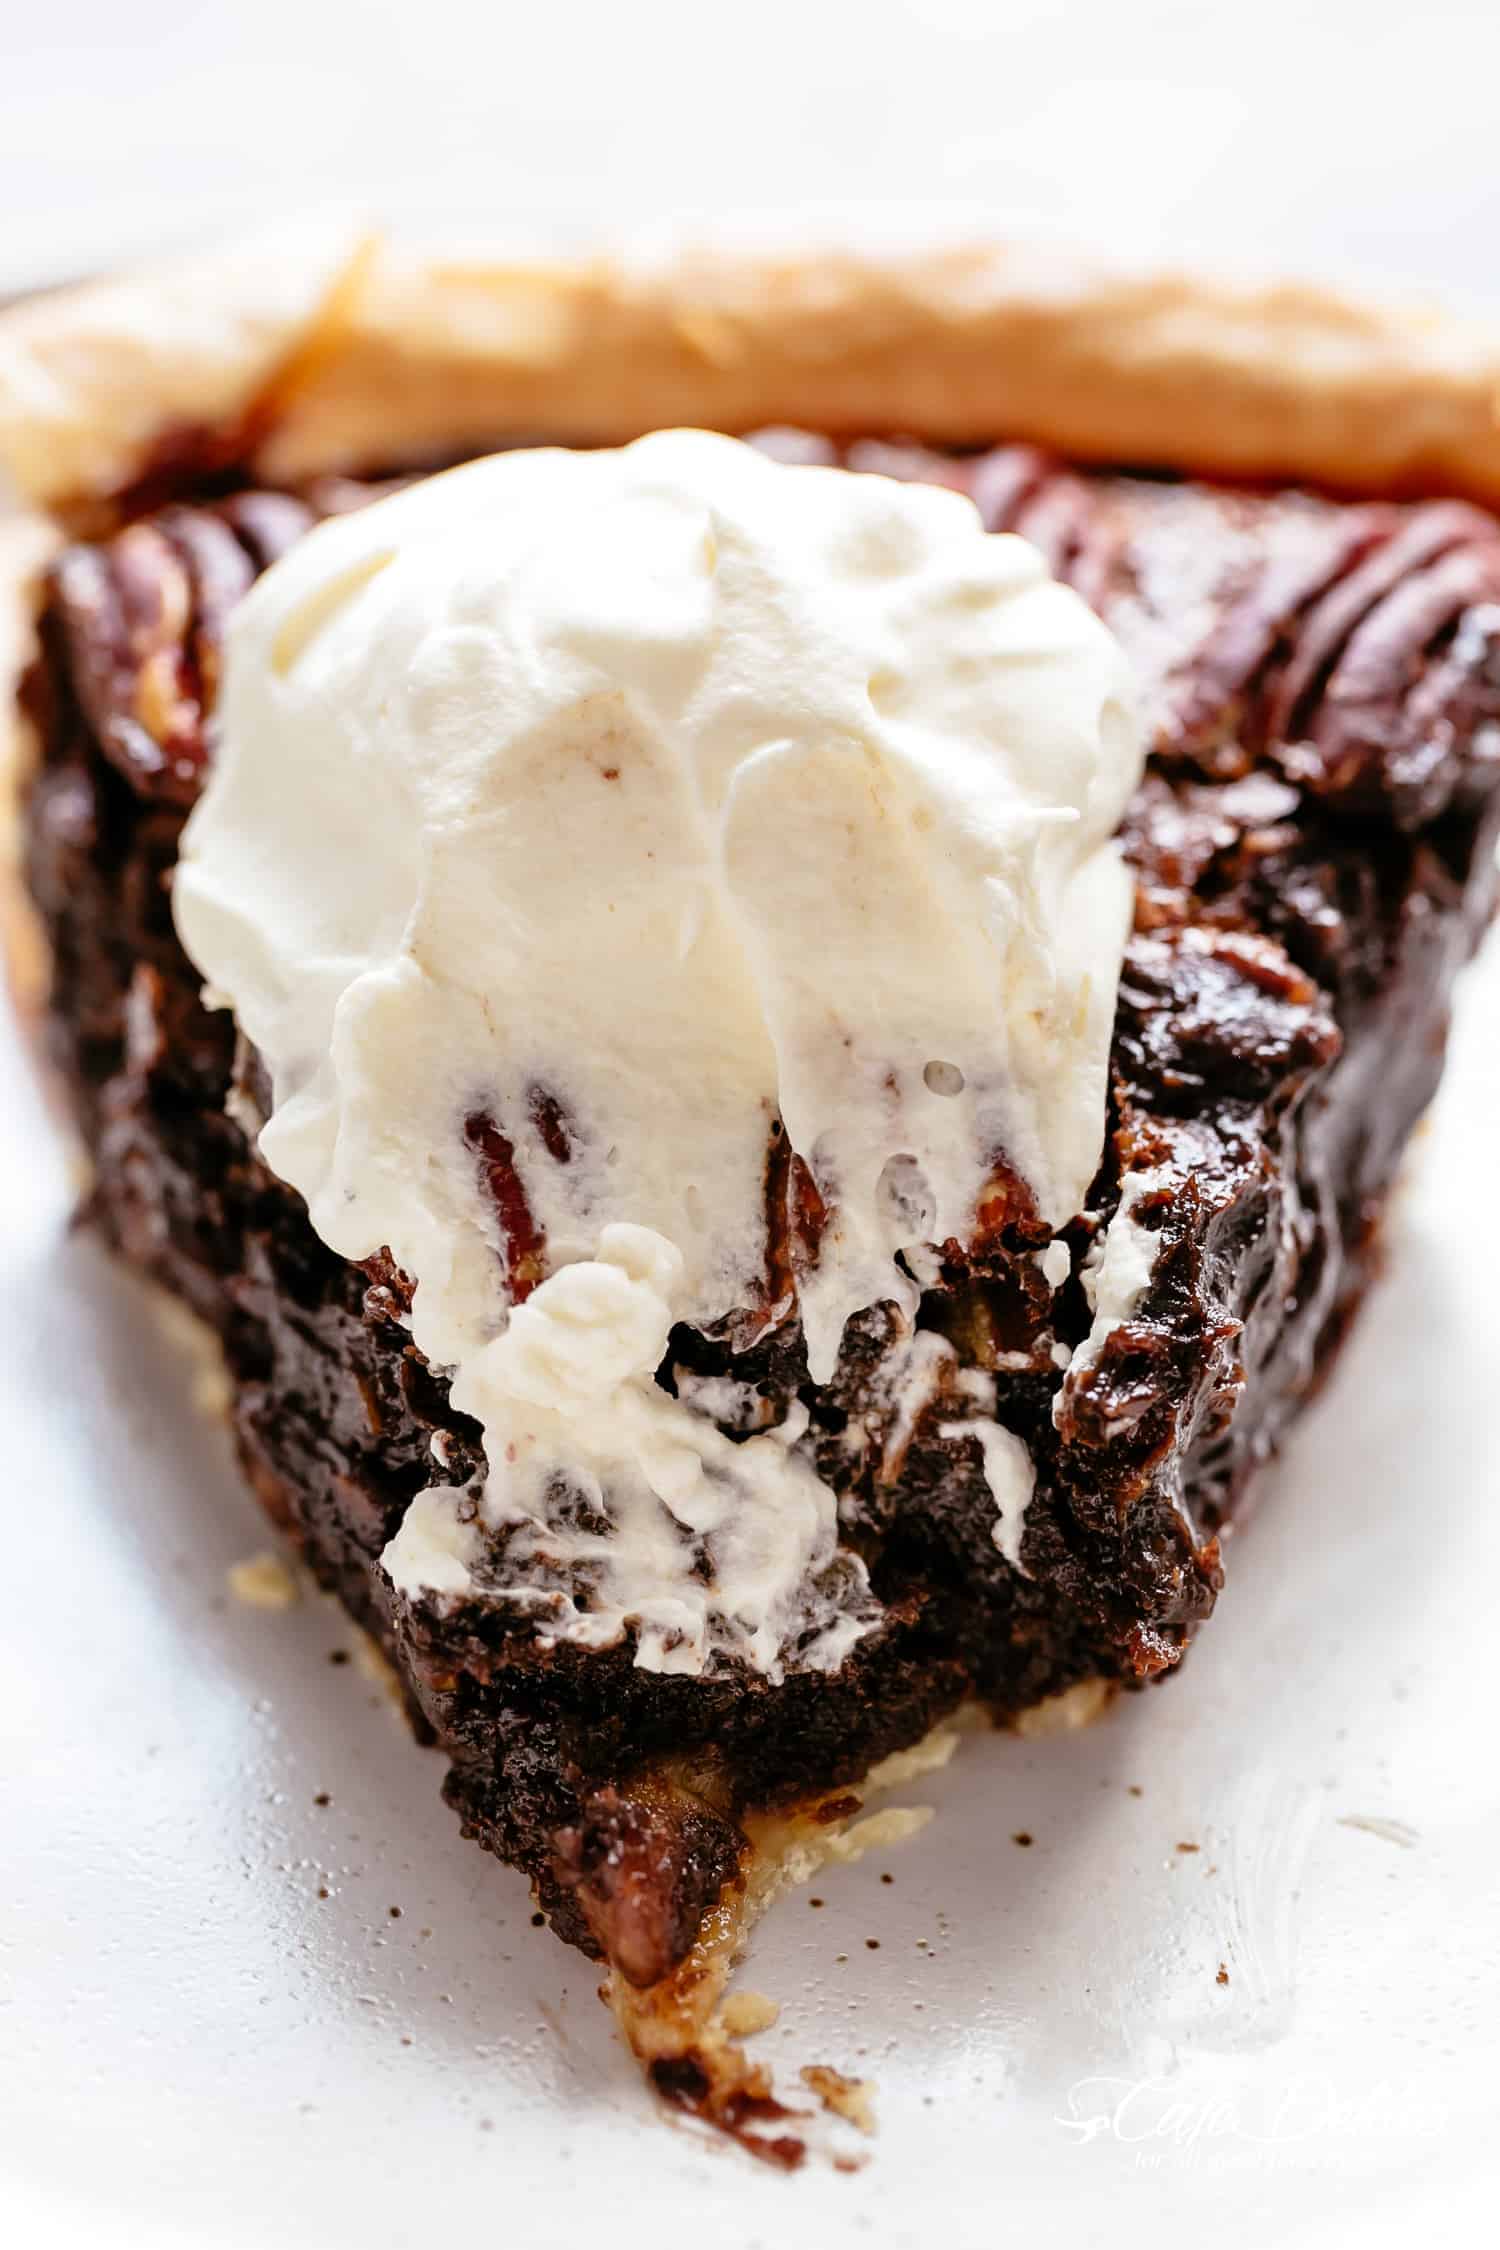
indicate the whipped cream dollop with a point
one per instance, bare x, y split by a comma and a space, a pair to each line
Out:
580, 823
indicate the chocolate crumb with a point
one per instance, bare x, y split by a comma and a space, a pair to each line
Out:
338, 1656
873, 1943
1188, 1847
322, 1798
539, 1921
842, 1807
1022, 1837
1223, 1975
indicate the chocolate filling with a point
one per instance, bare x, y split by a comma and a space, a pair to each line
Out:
1314, 852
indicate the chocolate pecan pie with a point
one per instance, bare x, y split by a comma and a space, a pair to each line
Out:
1273, 502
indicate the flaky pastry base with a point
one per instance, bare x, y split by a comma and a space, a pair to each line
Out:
333, 349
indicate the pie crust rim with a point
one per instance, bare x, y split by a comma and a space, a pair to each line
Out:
331, 348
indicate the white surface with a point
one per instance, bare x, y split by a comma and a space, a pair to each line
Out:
193, 2046
198, 2047
1351, 135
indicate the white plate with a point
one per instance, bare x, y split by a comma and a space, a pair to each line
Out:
197, 2044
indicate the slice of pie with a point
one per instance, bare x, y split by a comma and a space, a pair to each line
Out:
755, 1242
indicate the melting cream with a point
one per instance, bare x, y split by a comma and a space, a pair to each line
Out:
605, 810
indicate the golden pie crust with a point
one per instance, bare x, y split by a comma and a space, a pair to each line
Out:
332, 349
